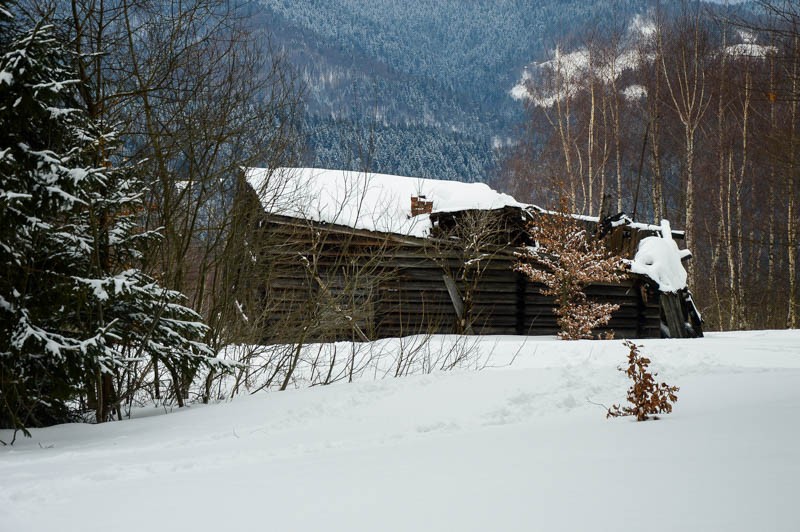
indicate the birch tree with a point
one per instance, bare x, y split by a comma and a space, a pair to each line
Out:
683, 65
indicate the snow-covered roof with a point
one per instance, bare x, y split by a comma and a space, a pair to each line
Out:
380, 202
375, 202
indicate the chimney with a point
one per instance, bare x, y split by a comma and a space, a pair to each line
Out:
420, 205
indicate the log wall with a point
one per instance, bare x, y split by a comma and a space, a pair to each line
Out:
331, 282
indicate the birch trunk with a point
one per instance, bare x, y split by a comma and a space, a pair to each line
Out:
791, 221
740, 295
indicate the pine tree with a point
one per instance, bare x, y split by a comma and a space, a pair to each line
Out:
74, 309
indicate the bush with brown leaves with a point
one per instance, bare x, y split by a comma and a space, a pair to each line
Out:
567, 260
646, 396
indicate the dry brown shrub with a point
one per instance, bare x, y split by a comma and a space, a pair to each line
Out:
646, 396
566, 260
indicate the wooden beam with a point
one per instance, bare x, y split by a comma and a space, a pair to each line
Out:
673, 313
458, 303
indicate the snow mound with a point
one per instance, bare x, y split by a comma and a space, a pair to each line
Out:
375, 202
660, 259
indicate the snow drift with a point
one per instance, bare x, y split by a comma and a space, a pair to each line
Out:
521, 445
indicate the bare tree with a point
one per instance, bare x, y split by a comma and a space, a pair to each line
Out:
684, 67
197, 94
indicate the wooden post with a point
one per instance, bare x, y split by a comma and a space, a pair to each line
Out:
458, 303
673, 314
521, 289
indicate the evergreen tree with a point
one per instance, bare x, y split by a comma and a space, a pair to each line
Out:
75, 311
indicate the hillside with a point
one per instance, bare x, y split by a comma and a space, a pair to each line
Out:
422, 87
520, 445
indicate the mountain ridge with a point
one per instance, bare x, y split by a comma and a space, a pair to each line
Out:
425, 79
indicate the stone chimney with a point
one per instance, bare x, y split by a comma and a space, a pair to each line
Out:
420, 205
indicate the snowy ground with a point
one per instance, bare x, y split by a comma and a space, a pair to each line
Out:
513, 447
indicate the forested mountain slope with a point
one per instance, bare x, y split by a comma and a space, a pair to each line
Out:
421, 87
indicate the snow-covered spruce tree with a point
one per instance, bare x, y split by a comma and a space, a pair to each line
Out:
566, 260
75, 311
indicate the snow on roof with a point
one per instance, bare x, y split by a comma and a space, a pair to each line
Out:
375, 202
621, 219
659, 258
380, 202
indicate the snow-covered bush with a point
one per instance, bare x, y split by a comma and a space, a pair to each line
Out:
566, 260
646, 396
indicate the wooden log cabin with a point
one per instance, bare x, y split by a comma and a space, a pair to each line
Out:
344, 256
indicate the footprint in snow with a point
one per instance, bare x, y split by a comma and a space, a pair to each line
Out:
439, 426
